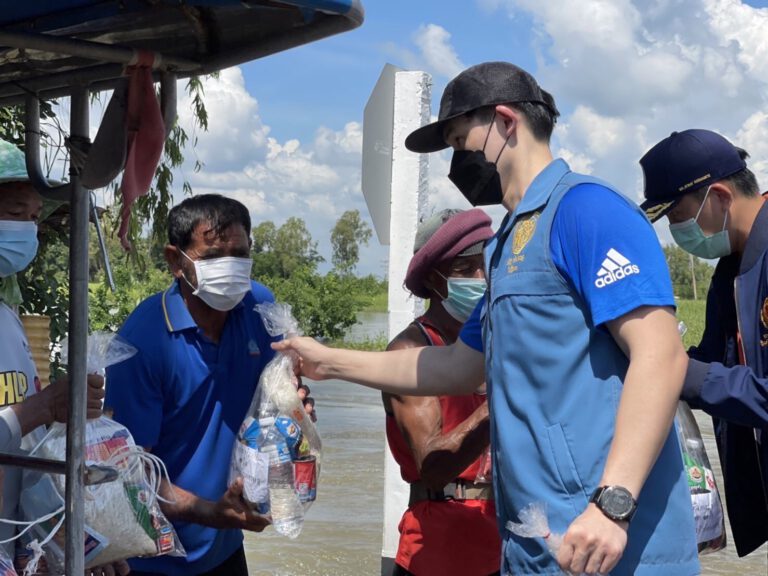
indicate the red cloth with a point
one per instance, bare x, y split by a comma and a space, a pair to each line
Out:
451, 538
146, 138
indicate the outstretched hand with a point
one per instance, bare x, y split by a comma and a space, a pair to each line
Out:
311, 355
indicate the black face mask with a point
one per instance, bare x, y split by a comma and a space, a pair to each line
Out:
475, 177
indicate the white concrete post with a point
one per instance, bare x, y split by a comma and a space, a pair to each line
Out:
409, 197
395, 188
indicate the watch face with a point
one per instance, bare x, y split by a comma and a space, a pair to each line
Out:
617, 502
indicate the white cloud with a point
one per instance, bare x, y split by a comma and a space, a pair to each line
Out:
435, 44
432, 52
316, 180
628, 72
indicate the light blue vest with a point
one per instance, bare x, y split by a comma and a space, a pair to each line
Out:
554, 385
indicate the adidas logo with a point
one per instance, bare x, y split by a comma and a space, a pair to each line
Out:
614, 268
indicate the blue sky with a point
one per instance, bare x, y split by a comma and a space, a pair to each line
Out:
286, 130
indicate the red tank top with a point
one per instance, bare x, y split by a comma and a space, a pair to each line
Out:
452, 537
454, 410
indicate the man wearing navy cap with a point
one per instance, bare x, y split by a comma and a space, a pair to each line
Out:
701, 182
577, 319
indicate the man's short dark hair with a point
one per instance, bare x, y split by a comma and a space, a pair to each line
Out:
218, 211
540, 119
744, 181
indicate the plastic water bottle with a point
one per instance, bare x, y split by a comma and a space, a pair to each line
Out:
285, 506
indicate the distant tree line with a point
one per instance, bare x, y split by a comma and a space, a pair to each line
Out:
690, 275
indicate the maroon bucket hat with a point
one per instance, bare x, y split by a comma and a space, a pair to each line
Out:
441, 238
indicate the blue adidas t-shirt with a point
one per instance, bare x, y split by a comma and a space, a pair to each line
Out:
607, 251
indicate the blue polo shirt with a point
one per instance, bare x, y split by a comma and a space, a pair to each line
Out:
184, 397
604, 248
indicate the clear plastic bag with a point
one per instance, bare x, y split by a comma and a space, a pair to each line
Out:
40, 499
485, 469
705, 496
277, 404
104, 349
6, 565
534, 524
124, 513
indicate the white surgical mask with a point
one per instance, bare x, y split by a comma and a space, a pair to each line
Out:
221, 282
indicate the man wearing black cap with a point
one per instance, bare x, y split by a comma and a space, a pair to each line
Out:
701, 182
449, 527
577, 318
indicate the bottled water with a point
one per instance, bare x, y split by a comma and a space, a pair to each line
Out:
285, 506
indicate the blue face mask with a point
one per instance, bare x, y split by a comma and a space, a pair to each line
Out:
18, 246
463, 296
690, 237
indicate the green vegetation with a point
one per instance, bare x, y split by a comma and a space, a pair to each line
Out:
690, 275
692, 313
372, 344
378, 301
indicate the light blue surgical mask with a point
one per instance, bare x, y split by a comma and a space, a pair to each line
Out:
463, 296
691, 238
18, 245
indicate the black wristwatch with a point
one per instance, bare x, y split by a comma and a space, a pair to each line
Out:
616, 502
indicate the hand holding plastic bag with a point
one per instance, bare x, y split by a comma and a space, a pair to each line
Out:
125, 513
278, 449
534, 524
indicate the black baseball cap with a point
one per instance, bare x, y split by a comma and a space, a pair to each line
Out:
683, 163
482, 85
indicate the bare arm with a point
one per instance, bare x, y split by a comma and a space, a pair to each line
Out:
430, 371
439, 457
657, 364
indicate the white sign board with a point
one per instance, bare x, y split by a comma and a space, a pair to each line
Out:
378, 124
395, 189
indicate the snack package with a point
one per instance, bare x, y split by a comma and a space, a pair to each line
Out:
123, 517
705, 496
40, 499
126, 512
276, 431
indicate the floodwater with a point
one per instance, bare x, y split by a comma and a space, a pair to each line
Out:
343, 529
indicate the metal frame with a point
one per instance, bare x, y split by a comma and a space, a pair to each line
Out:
109, 61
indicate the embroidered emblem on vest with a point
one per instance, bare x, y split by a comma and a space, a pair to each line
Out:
764, 322
521, 235
524, 230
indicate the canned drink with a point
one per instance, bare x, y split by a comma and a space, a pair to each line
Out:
305, 474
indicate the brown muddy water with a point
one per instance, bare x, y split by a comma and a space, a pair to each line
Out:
342, 531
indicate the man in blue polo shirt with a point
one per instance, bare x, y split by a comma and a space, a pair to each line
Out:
577, 340
184, 395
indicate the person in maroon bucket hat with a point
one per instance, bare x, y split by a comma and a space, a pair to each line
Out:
439, 442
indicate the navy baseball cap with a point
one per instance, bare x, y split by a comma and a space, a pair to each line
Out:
682, 163
482, 85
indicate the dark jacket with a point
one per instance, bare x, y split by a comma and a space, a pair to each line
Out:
737, 395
